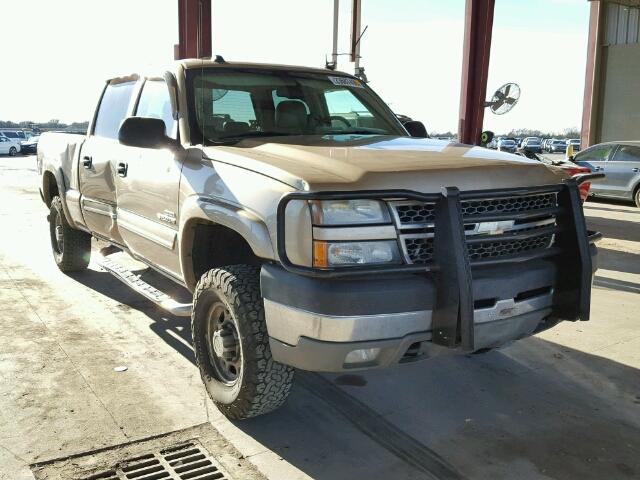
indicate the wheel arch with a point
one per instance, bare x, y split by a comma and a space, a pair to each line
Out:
239, 237
53, 185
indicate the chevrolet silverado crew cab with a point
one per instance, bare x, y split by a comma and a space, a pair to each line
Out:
311, 229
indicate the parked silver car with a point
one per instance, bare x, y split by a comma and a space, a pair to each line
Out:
620, 161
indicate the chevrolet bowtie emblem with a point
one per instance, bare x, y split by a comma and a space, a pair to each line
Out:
495, 228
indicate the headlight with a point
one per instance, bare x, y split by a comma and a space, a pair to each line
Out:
342, 254
349, 212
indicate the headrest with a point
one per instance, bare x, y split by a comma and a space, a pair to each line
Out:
291, 116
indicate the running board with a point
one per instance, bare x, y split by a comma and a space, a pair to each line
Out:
134, 281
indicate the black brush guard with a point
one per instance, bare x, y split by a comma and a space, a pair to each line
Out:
453, 316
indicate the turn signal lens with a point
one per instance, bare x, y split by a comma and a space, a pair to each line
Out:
320, 254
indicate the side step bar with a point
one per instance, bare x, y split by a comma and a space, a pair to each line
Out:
134, 281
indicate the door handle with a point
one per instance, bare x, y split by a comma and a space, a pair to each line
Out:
636, 170
122, 169
87, 162
597, 169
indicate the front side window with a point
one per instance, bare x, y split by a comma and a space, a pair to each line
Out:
596, 154
237, 103
627, 153
113, 109
155, 103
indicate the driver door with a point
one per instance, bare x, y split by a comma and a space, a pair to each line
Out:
147, 188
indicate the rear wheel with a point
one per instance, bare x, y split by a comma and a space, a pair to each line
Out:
13, 151
71, 248
636, 197
232, 345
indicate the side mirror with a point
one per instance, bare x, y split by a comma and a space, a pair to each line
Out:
416, 129
144, 132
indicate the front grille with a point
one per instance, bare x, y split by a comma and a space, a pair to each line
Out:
415, 221
479, 251
418, 249
508, 205
412, 214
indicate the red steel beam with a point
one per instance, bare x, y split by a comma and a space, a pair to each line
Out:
194, 32
478, 24
589, 134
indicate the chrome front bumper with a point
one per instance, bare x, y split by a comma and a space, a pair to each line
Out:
288, 324
316, 342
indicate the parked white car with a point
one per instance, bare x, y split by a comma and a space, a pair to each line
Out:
9, 146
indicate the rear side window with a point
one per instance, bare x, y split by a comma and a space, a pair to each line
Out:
156, 103
627, 153
113, 109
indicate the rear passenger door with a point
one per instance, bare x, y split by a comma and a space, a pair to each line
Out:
596, 159
147, 191
100, 156
623, 171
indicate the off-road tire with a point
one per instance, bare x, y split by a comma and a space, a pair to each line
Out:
13, 151
76, 251
262, 384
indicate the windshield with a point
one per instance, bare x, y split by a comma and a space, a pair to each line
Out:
234, 104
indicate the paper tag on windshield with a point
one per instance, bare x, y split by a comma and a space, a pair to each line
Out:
346, 82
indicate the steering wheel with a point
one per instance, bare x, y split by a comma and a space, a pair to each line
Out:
340, 119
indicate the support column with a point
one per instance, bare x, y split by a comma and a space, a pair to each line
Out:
478, 25
589, 134
194, 20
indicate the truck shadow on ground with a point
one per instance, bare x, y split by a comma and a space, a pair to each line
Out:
534, 410
175, 331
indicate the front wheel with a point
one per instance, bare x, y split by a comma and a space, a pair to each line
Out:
231, 344
71, 248
13, 151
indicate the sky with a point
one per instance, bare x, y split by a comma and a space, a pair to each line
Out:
64, 50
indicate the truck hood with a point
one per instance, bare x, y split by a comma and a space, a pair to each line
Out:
341, 162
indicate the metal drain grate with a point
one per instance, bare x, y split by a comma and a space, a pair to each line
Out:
186, 461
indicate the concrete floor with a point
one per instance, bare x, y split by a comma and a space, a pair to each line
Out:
563, 405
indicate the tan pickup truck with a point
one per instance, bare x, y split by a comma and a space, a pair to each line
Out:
312, 230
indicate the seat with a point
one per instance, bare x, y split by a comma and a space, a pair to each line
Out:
291, 117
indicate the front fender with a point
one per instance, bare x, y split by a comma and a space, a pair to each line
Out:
247, 224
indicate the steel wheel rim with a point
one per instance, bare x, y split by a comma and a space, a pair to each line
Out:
57, 235
223, 344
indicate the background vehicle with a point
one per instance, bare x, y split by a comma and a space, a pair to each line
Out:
309, 237
16, 135
30, 145
620, 161
8, 146
532, 144
507, 145
575, 142
557, 146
